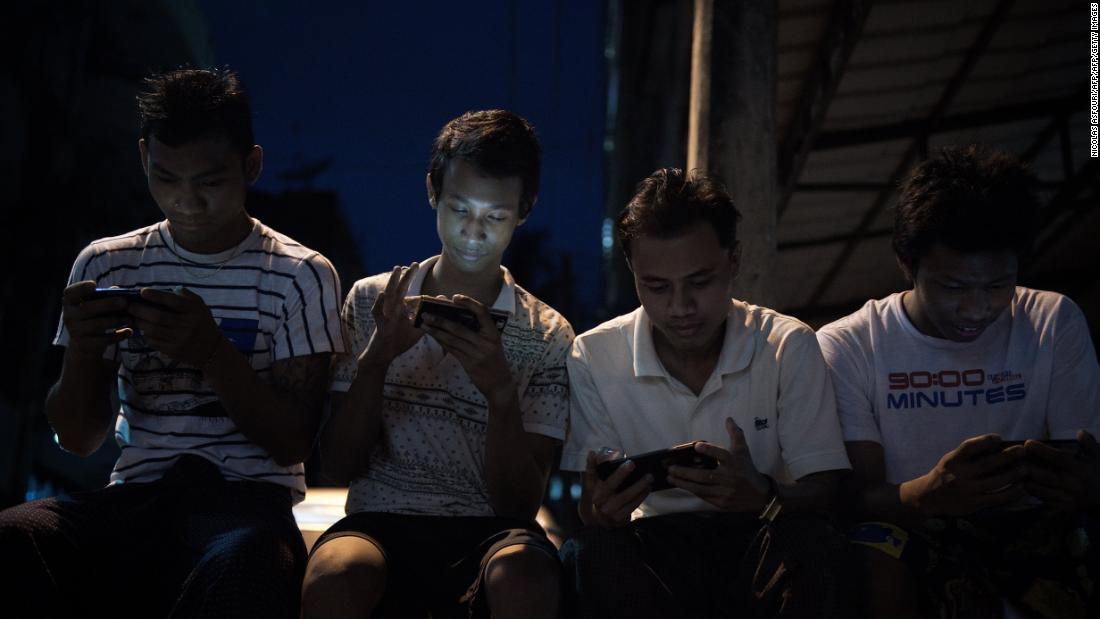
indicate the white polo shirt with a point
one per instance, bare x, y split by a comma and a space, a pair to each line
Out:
770, 378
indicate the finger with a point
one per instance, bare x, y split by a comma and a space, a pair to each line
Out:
607, 488
448, 333
1049, 455
994, 483
97, 307
712, 450
737, 437
392, 286
98, 325
406, 279
1048, 494
977, 446
152, 314
699, 476
472, 304
73, 293
377, 310
995, 462
703, 491
1045, 476
103, 340
589, 477
620, 504
1004, 496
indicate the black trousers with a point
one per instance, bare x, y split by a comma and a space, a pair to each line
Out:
188, 545
710, 565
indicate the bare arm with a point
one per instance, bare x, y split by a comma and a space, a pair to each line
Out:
355, 423
976, 475
281, 416
517, 463
78, 405
353, 427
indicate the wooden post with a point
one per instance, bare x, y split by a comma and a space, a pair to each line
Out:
731, 123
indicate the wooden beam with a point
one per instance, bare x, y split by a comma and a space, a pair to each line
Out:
1030, 110
843, 31
981, 43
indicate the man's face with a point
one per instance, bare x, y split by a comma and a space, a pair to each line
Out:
684, 284
200, 186
476, 215
956, 295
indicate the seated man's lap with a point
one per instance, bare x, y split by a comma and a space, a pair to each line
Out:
438, 563
84, 544
700, 564
1038, 559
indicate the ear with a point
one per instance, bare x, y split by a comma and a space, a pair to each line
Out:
735, 259
144, 151
253, 164
523, 219
431, 190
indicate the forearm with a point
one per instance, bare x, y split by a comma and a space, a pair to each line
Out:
277, 419
513, 473
817, 493
78, 405
897, 503
354, 426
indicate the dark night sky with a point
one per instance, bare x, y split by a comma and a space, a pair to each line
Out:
371, 83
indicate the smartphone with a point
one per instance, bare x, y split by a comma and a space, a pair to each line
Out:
131, 294
452, 311
656, 463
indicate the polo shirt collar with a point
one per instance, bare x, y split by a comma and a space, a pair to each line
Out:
738, 345
506, 300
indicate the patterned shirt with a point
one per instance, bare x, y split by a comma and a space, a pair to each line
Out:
270, 296
431, 455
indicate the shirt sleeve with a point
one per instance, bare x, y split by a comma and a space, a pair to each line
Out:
545, 401
590, 426
809, 432
1074, 400
357, 324
311, 318
853, 387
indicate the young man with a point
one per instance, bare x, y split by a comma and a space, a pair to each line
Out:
747, 384
447, 433
932, 381
221, 366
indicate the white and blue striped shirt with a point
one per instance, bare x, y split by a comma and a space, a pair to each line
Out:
272, 297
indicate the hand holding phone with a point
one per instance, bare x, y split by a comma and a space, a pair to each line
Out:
656, 463
93, 324
445, 308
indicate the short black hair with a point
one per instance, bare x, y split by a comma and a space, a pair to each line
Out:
970, 199
186, 104
498, 142
669, 201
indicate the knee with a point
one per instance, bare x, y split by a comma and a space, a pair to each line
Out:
345, 567
523, 570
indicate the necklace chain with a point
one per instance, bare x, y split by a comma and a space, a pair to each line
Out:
202, 274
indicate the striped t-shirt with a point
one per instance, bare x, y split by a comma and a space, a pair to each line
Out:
431, 456
272, 297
